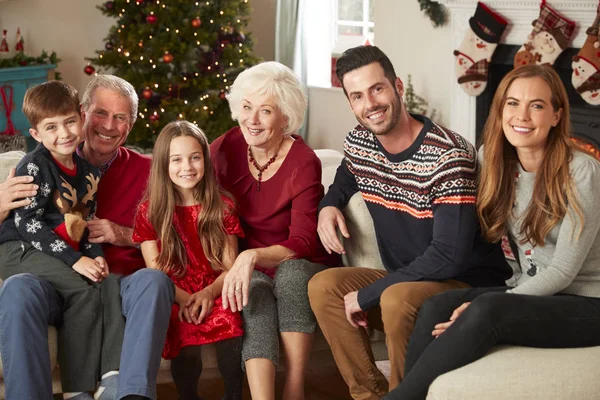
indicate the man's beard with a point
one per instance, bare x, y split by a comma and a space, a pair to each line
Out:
393, 111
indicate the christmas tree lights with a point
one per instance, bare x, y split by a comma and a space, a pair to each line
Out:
181, 56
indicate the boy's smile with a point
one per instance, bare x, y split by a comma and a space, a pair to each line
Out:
61, 135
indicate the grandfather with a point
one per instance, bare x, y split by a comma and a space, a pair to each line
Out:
109, 110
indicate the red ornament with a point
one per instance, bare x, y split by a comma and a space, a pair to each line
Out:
109, 5
154, 117
147, 93
168, 58
139, 1
89, 70
151, 19
196, 22
222, 95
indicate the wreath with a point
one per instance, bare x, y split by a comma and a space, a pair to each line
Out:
435, 11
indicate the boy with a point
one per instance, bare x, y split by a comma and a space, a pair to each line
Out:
91, 334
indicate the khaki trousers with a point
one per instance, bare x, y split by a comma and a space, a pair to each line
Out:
395, 316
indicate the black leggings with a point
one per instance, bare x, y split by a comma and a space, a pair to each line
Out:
187, 367
494, 317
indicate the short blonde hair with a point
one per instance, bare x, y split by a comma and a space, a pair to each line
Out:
274, 81
115, 84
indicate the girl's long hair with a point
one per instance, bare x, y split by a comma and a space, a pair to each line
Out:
163, 197
553, 191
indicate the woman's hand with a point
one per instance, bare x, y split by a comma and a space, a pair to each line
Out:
441, 328
237, 282
200, 305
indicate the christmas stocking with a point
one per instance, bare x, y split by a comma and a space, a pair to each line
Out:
550, 35
586, 65
475, 52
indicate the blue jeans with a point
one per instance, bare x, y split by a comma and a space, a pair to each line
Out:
28, 305
494, 317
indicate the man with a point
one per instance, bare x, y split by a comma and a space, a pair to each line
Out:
109, 110
418, 181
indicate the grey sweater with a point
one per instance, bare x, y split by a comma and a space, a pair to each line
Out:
567, 263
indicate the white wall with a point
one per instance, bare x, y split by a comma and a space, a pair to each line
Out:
415, 47
76, 28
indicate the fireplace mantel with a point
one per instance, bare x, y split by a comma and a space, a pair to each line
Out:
519, 14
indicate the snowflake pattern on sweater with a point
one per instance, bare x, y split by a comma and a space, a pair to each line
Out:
55, 220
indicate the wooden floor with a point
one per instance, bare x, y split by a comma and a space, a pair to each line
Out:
322, 383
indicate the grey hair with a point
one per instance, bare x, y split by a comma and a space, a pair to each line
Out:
115, 84
276, 82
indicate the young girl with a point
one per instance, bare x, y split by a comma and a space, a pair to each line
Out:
187, 227
541, 191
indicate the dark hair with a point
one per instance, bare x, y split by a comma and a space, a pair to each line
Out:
360, 56
50, 99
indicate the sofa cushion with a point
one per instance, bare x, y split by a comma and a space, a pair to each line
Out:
513, 372
9, 160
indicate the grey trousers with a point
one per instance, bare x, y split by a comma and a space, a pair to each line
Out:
277, 305
90, 335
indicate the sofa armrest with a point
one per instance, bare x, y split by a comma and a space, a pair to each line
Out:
9, 160
361, 247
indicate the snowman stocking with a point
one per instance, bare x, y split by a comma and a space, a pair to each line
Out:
586, 66
475, 52
551, 34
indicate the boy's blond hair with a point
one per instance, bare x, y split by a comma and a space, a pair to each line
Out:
50, 99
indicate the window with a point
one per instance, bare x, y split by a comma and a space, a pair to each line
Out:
331, 27
354, 23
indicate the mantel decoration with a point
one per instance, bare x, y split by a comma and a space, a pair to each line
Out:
435, 11
551, 34
586, 65
475, 52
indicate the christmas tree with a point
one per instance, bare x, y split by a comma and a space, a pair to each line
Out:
181, 56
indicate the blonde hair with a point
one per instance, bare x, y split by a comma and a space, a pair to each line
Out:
163, 197
553, 189
277, 82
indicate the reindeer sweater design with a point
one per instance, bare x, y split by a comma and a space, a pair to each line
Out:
55, 220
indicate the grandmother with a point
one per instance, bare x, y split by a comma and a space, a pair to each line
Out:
276, 179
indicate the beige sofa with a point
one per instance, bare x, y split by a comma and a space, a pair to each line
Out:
507, 372
362, 241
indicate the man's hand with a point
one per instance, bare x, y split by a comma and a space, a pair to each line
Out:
104, 231
236, 285
354, 314
12, 190
441, 328
89, 268
200, 305
329, 219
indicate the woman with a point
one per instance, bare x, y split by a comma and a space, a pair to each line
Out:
276, 179
542, 191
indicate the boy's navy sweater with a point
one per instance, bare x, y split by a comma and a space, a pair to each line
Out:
54, 222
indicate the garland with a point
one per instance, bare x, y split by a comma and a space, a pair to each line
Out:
435, 11
21, 60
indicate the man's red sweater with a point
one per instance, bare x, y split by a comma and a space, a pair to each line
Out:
119, 193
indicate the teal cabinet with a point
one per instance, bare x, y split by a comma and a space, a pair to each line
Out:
19, 80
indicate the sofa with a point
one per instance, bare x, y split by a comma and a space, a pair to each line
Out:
507, 372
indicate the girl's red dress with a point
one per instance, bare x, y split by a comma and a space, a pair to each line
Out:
219, 324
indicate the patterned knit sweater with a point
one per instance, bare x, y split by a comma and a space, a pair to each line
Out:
55, 220
422, 202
